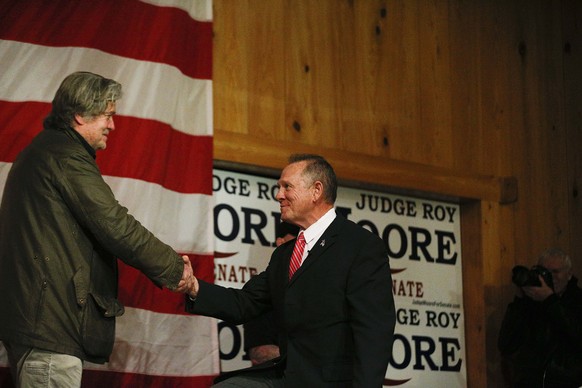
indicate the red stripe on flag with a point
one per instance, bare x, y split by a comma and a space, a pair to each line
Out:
131, 29
141, 149
154, 152
136, 290
19, 123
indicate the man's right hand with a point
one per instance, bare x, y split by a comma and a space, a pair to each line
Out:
189, 283
186, 283
540, 293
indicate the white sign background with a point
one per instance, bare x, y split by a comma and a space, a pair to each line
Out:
424, 243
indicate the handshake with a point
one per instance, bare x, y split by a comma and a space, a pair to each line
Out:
188, 284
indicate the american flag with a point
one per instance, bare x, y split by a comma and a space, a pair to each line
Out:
158, 161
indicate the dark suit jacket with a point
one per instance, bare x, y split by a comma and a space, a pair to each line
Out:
335, 316
260, 331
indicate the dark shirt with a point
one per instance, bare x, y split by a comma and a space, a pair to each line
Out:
542, 341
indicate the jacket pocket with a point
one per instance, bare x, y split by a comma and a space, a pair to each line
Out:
98, 331
109, 307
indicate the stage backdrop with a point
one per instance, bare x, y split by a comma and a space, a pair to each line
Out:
158, 160
424, 245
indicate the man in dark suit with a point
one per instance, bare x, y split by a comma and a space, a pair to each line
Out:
335, 314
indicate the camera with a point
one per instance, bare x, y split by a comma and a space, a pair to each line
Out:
524, 277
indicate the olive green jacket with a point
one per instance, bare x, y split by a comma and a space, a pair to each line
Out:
61, 230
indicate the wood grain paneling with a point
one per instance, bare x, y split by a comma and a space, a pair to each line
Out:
473, 99
572, 111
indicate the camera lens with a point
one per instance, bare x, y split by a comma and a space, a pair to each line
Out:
520, 275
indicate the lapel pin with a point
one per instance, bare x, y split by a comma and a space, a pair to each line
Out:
322, 243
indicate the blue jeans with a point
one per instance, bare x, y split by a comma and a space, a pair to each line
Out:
33, 367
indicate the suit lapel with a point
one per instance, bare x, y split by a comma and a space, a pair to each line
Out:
327, 239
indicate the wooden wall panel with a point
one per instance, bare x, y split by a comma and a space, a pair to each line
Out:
572, 110
231, 92
465, 86
400, 45
544, 130
266, 83
474, 302
312, 71
477, 99
434, 67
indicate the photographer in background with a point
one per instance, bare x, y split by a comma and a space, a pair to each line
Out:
541, 333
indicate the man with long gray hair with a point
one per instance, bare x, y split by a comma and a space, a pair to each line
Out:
62, 231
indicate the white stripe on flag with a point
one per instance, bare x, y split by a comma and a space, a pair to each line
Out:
198, 9
163, 344
151, 90
4, 170
180, 220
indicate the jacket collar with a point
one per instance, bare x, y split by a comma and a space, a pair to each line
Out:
83, 142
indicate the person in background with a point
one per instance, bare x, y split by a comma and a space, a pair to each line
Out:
62, 231
260, 336
330, 291
541, 333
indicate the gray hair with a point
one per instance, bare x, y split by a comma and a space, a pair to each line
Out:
84, 94
555, 252
319, 169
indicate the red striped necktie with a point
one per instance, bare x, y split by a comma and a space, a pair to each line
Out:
297, 254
